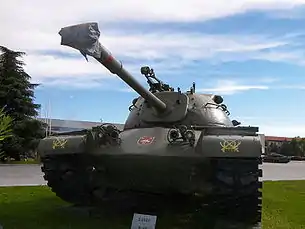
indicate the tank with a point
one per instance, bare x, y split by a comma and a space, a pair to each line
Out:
172, 142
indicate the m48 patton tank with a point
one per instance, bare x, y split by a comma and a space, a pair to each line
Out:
172, 142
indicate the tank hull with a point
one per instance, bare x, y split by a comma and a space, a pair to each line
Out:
144, 161
221, 168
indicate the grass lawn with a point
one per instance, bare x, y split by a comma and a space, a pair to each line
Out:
39, 208
29, 161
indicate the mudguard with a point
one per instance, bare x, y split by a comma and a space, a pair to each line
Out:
154, 142
55, 145
230, 146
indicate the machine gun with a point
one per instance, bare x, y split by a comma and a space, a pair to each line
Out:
158, 85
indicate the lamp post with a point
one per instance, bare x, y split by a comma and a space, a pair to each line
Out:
47, 119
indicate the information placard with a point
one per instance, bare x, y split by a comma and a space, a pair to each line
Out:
141, 221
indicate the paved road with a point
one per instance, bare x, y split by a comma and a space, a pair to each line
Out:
21, 175
294, 170
26, 175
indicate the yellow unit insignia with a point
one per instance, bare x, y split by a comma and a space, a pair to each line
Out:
230, 146
59, 143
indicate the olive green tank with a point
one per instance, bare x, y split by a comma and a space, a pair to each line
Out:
172, 142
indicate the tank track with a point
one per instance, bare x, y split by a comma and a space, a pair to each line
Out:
68, 178
237, 190
236, 186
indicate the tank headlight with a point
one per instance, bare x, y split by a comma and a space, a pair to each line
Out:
115, 134
189, 135
174, 134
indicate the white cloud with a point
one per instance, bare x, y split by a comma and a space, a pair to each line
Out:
283, 130
268, 79
296, 87
229, 87
185, 47
291, 56
128, 90
237, 47
50, 66
292, 13
56, 12
37, 25
152, 45
281, 126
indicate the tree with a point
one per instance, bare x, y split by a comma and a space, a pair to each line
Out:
273, 148
286, 149
302, 147
5, 129
16, 96
298, 146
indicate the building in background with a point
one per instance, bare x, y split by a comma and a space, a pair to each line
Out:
61, 125
278, 141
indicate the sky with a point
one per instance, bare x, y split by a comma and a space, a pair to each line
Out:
251, 52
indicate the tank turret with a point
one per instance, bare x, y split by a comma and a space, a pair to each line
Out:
161, 104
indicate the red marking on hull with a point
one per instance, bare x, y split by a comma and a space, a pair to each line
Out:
145, 140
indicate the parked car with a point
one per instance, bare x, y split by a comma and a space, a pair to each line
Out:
298, 158
276, 158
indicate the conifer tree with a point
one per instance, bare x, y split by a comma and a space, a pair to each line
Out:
17, 99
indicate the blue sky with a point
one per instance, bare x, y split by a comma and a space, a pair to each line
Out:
251, 52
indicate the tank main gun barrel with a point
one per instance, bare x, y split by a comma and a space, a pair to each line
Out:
84, 37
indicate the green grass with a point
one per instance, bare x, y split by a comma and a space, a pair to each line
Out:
29, 161
39, 208
284, 205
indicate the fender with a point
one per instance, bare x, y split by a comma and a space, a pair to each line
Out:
67, 144
229, 146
